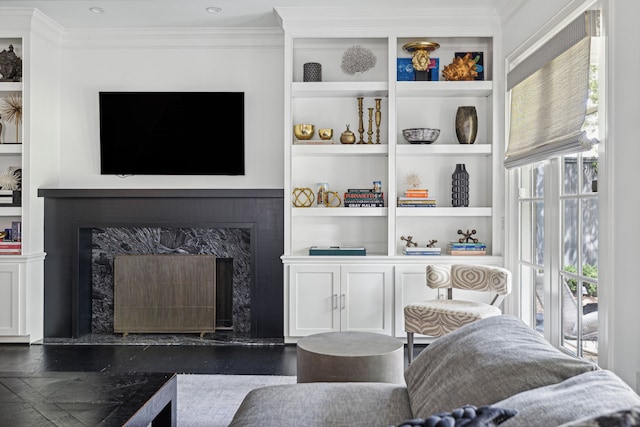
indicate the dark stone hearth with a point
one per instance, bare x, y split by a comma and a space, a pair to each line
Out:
71, 215
234, 243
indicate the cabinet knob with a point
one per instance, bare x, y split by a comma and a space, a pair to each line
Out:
335, 301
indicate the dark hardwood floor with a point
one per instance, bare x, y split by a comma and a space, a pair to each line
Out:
240, 359
223, 359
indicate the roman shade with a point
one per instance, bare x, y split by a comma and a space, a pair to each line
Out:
549, 92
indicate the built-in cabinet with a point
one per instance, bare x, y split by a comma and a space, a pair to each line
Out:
334, 297
29, 148
334, 103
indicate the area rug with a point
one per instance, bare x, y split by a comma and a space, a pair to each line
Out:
211, 400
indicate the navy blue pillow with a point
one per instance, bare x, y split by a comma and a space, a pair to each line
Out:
467, 416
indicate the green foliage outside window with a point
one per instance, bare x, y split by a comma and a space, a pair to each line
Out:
588, 270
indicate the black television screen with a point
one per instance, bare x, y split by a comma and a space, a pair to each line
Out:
171, 133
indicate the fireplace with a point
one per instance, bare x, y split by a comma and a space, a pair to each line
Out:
230, 245
72, 217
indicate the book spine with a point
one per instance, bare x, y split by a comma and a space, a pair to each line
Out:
364, 205
363, 195
466, 248
467, 252
360, 190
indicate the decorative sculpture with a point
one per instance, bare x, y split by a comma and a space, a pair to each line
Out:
303, 197
461, 69
409, 240
413, 180
357, 59
467, 236
432, 243
10, 66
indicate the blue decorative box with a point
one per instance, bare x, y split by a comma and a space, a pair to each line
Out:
405, 70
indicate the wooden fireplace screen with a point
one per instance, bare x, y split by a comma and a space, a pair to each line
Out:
164, 294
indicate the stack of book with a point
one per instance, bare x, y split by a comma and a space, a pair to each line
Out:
363, 198
8, 247
416, 197
457, 248
420, 250
6, 197
337, 250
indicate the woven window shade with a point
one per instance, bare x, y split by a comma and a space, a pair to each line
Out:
549, 92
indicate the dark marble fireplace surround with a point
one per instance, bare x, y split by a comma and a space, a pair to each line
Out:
73, 218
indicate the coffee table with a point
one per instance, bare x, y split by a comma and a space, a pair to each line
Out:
68, 399
350, 356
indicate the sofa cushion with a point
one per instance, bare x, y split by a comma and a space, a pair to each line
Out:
324, 404
586, 395
483, 363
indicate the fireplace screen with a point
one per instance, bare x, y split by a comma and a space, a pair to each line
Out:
164, 294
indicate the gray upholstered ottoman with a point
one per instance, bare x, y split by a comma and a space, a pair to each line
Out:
351, 357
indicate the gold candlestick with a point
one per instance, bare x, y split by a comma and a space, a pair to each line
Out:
378, 120
360, 123
370, 132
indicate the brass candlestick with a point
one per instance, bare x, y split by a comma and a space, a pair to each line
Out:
360, 123
378, 120
370, 132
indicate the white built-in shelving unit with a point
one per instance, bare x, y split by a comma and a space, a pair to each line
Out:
368, 293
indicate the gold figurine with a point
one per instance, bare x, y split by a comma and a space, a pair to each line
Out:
370, 131
360, 123
378, 119
420, 52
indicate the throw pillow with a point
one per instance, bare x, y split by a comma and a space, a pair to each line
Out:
624, 418
465, 416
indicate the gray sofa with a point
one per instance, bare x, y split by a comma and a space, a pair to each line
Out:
498, 361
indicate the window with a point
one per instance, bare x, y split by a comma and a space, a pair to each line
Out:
557, 236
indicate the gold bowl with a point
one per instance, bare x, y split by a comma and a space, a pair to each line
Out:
304, 131
325, 133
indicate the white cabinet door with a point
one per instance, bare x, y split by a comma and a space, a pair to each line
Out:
10, 301
366, 298
314, 299
410, 286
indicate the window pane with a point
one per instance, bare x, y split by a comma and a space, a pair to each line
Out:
570, 184
590, 234
590, 173
570, 235
538, 180
570, 314
590, 320
538, 232
526, 227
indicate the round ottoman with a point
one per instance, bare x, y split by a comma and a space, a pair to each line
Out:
350, 356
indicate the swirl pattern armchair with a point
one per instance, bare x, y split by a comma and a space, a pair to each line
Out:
440, 316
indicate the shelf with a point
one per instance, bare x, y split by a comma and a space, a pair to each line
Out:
444, 88
10, 211
444, 211
443, 149
10, 86
340, 150
339, 211
10, 149
339, 89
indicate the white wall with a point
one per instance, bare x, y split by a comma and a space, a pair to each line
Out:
619, 202
180, 60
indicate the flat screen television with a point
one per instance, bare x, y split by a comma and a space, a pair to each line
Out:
171, 133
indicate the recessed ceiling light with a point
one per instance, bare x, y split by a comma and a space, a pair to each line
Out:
96, 10
213, 9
